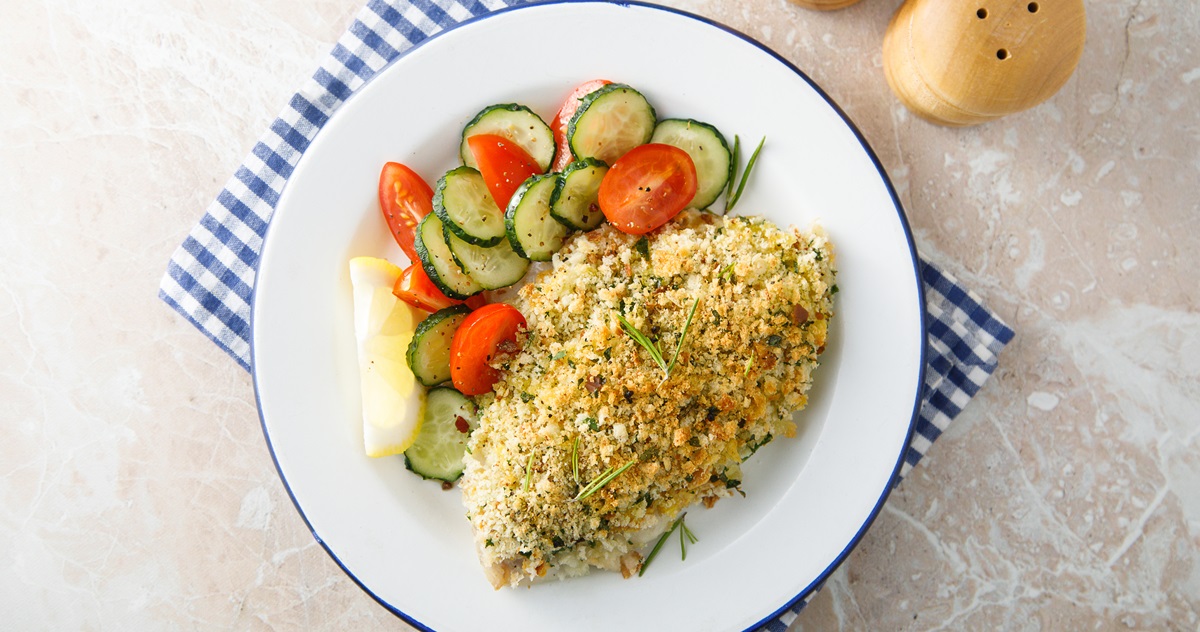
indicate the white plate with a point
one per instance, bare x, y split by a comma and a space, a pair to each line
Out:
808, 499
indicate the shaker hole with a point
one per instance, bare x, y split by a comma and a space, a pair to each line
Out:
1002, 54
1033, 7
982, 13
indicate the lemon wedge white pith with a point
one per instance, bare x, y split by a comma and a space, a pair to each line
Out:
383, 326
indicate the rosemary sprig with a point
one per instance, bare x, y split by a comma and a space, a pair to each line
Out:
528, 472
641, 339
658, 545
605, 478
731, 201
663, 538
652, 348
575, 460
749, 363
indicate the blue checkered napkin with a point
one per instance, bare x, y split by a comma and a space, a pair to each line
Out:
964, 342
210, 277
963, 345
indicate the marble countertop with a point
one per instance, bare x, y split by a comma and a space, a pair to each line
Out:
137, 490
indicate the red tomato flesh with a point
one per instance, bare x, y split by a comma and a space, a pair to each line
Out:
646, 187
404, 198
415, 288
564, 156
484, 333
477, 301
503, 165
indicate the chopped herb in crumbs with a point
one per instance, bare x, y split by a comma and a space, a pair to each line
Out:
642, 246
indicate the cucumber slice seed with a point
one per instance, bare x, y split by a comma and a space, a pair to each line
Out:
516, 123
575, 201
493, 267
438, 261
609, 122
462, 201
708, 150
533, 233
429, 351
438, 451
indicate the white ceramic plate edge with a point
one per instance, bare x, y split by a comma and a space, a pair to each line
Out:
907, 233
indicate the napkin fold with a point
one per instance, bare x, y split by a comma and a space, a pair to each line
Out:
210, 277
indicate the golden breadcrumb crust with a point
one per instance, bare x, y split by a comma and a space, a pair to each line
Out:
582, 391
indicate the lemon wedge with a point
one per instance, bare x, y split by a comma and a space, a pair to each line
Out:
383, 326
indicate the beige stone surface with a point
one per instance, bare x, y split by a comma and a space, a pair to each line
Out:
136, 490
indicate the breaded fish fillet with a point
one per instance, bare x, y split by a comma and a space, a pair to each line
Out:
582, 398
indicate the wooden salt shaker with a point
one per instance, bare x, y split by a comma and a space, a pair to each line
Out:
963, 62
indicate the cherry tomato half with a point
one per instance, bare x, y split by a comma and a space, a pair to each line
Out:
484, 333
503, 165
564, 156
404, 198
646, 187
415, 288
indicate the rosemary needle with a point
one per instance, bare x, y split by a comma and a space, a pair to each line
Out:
688, 532
737, 151
528, 472
730, 202
604, 479
662, 539
575, 460
685, 536
683, 336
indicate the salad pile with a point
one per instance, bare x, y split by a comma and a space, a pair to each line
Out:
427, 335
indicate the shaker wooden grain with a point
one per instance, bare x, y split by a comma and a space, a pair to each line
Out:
824, 5
963, 62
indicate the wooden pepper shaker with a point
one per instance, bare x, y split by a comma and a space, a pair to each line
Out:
963, 62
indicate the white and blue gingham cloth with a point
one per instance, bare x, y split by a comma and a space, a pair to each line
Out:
210, 278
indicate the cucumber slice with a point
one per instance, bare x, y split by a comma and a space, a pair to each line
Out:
493, 267
533, 233
708, 150
575, 201
462, 201
438, 261
516, 123
438, 451
429, 351
610, 121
